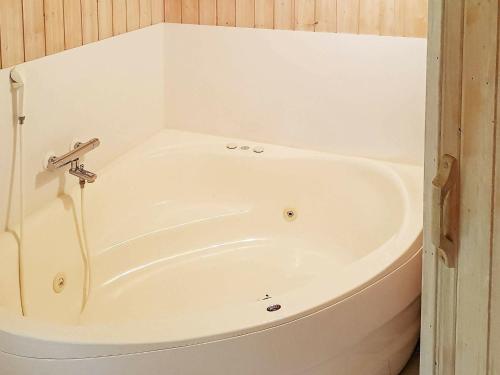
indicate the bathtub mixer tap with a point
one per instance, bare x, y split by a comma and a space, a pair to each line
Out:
73, 158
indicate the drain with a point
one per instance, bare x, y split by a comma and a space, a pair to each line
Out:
289, 214
273, 308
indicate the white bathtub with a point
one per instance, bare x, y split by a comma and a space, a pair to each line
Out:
191, 243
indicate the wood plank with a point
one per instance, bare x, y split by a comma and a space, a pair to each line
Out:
326, 15
34, 29
348, 16
226, 12
145, 13
208, 12
90, 24
119, 17
105, 21
415, 18
133, 15
284, 14
494, 334
72, 24
157, 11
264, 14
369, 17
399, 18
432, 150
245, 13
173, 11
451, 117
304, 15
54, 26
387, 17
11, 26
190, 11
477, 176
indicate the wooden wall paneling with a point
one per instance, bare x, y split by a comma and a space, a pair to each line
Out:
305, 15
226, 12
90, 22
415, 18
190, 11
326, 15
54, 26
133, 14
477, 175
173, 12
432, 142
264, 14
284, 14
348, 16
157, 11
387, 17
145, 13
119, 17
369, 17
72, 24
34, 29
105, 21
11, 26
451, 117
208, 12
245, 13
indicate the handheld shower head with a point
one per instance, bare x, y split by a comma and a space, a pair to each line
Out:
18, 85
15, 79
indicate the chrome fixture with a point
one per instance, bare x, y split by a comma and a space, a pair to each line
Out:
17, 84
73, 158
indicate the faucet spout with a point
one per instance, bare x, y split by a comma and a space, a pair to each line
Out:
80, 172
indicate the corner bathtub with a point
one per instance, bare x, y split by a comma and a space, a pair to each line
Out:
192, 243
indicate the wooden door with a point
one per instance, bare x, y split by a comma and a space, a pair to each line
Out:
461, 300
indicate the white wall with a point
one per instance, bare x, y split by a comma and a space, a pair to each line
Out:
113, 90
351, 94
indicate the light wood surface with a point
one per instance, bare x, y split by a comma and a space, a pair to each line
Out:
31, 29
461, 305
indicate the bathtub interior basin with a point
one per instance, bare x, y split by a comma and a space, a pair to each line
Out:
191, 242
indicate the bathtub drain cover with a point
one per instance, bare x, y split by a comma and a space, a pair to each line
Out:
273, 308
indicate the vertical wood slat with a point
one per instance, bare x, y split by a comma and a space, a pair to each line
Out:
369, 17
415, 17
72, 24
477, 168
348, 16
304, 15
226, 13
190, 11
451, 117
54, 26
145, 13
264, 14
432, 142
90, 24
157, 11
34, 29
105, 14
119, 17
11, 26
173, 11
245, 13
387, 17
208, 12
326, 16
133, 15
284, 14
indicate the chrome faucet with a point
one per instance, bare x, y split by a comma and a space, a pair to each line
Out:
73, 158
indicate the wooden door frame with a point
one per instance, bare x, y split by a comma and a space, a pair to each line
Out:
461, 306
